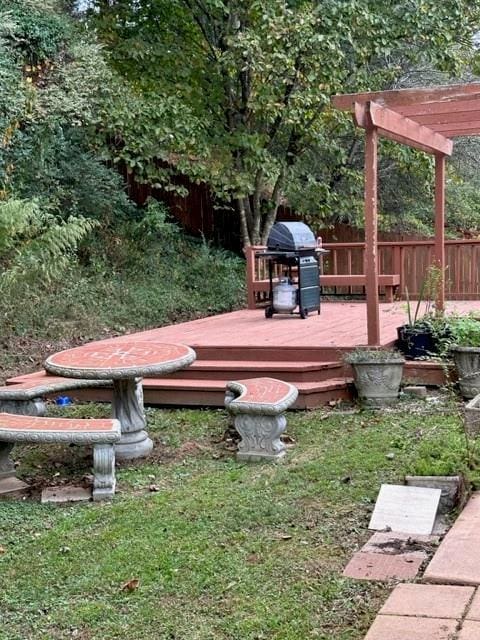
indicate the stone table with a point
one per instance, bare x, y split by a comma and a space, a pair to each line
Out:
124, 362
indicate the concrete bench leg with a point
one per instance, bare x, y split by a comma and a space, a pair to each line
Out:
7, 469
34, 407
260, 437
103, 471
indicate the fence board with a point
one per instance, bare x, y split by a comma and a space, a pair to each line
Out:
409, 259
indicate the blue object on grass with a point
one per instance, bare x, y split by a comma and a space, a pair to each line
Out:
63, 400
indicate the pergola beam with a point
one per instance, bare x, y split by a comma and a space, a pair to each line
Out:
401, 129
405, 97
432, 120
460, 105
458, 129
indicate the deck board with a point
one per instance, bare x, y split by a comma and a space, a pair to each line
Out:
340, 324
232, 346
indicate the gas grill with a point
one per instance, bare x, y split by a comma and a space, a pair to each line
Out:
293, 246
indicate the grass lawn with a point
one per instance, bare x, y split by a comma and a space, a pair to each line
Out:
221, 550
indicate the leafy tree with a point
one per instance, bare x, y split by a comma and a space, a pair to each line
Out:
237, 92
55, 82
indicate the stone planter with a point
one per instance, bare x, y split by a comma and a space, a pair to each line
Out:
467, 362
377, 382
452, 488
472, 417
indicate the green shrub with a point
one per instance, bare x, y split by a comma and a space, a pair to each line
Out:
364, 356
34, 243
465, 330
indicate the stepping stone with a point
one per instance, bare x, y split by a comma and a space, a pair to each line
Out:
428, 601
393, 543
470, 631
405, 509
474, 611
457, 560
404, 628
379, 566
13, 488
65, 493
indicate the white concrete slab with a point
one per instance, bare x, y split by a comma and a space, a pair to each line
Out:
12, 487
66, 493
405, 509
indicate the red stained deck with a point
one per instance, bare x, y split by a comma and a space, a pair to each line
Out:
340, 327
244, 344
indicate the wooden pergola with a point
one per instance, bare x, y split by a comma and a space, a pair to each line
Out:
425, 119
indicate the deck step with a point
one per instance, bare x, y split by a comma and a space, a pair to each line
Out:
211, 393
288, 371
270, 353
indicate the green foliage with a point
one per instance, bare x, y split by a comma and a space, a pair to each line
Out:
429, 290
33, 30
450, 457
35, 244
464, 330
242, 91
147, 274
371, 356
174, 540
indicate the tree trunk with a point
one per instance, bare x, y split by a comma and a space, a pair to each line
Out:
244, 231
275, 202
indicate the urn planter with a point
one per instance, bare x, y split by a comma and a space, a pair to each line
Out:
377, 375
472, 417
467, 363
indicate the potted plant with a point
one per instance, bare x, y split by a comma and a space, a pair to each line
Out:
417, 338
377, 374
466, 352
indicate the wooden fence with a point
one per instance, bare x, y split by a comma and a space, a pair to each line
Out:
408, 259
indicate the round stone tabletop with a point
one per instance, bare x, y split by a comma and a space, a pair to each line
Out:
117, 360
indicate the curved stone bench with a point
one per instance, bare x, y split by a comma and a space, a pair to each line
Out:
27, 398
102, 434
258, 407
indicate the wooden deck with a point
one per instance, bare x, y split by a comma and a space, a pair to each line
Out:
244, 344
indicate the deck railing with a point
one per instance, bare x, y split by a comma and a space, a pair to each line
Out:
408, 259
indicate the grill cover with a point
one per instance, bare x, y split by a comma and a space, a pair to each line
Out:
290, 236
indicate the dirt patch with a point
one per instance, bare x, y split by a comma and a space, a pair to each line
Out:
397, 547
21, 354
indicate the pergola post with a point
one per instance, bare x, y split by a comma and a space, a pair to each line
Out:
371, 240
440, 227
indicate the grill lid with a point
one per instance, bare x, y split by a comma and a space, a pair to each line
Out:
290, 236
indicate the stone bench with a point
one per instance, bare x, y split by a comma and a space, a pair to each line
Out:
102, 434
258, 406
27, 398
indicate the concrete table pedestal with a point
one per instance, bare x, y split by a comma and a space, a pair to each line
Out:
125, 362
128, 409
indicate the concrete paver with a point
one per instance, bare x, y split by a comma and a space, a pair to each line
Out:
457, 560
65, 493
12, 487
428, 600
403, 628
474, 611
393, 542
470, 631
378, 566
406, 509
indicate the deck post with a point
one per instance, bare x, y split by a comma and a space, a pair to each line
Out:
440, 227
371, 244
250, 274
